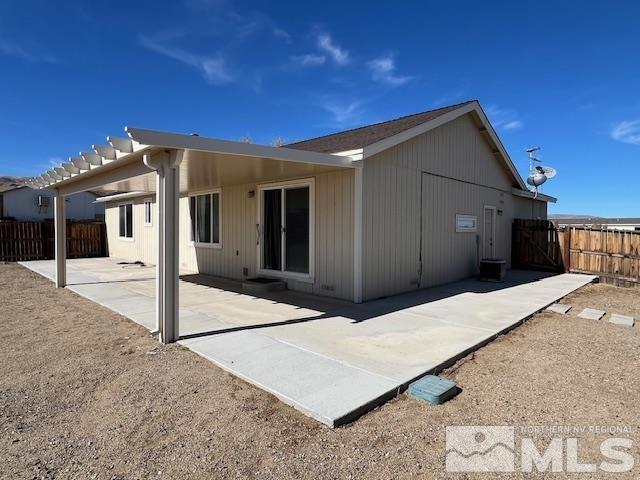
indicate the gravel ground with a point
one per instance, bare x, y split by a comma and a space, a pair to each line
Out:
85, 393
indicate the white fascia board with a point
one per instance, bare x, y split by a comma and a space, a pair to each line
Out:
122, 196
439, 121
212, 145
355, 154
496, 140
532, 195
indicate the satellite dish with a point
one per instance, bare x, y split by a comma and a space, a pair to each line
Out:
549, 172
538, 174
536, 179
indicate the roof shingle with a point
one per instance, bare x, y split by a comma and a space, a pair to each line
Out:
370, 134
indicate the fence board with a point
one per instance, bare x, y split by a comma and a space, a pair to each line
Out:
614, 255
23, 241
536, 244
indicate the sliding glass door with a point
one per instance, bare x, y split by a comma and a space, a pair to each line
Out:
285, 220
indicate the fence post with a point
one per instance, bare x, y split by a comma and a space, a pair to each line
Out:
566, 254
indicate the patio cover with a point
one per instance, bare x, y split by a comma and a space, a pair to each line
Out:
169, 164
206, 162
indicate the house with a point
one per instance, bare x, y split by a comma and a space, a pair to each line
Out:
627, 224
357, 215
27, 204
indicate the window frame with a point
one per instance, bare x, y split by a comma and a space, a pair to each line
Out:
145, 202
192, 242
285, 185
465, 216
125, 238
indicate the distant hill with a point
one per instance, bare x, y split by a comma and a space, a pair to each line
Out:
7, 183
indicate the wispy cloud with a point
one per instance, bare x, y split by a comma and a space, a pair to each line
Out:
345, 113
308, 60
503, 118
281, 33
14, 49
213, 68
383, 69
627, 132
512, 125
339, 55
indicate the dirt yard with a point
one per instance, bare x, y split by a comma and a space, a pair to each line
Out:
85, 393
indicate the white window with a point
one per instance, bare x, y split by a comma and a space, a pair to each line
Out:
125, 216
204, 210
466, 223
148, 212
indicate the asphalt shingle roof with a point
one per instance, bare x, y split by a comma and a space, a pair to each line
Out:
369, 134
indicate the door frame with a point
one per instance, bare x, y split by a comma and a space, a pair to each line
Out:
493, 228
284, 185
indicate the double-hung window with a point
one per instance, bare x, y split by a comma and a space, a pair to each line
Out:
125, 217
204, 210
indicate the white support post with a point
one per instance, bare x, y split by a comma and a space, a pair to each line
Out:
60, 241
357, 236
167, 274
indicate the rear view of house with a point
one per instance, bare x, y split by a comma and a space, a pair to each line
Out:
414, 202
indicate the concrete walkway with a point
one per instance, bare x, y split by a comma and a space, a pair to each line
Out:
332, 360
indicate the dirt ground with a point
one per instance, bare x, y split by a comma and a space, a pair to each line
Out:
85, 393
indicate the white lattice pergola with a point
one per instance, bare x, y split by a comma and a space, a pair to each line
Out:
169, 164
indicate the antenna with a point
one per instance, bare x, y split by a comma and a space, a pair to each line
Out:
538, 174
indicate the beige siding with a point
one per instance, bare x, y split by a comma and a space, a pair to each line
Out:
449, 255
445, 171
527, 208
143, 245
333, 236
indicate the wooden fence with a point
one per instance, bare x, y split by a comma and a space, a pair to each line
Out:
22, 241
613, 255
536, 245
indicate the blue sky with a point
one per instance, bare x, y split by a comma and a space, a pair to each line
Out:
562, 75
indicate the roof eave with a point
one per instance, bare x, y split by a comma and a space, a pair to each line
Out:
533, 195
213, 145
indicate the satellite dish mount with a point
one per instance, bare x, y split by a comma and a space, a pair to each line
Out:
538, 174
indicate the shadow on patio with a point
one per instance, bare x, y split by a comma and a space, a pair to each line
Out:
321, 307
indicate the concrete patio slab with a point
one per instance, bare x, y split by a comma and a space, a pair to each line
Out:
559, 308
330, 359
592, 314
622, 320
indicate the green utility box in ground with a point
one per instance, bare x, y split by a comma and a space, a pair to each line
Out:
433, 389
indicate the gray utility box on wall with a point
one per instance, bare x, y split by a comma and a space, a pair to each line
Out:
493, 269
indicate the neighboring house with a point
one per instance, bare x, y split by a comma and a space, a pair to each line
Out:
416, 202
28, 204
629, 224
